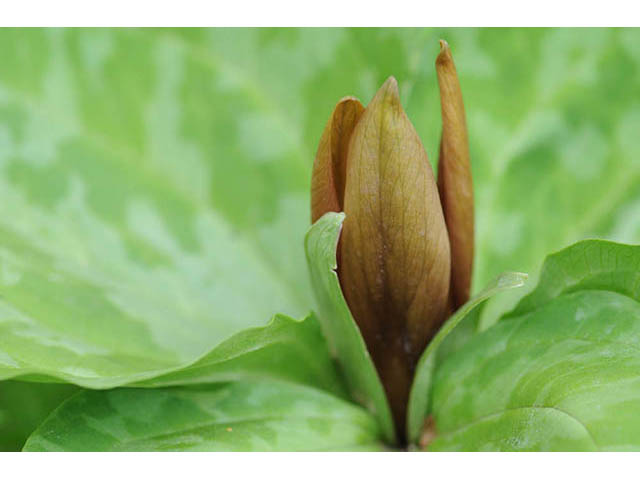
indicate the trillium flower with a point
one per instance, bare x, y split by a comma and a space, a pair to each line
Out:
406, 249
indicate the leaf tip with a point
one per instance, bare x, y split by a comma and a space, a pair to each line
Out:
512, 279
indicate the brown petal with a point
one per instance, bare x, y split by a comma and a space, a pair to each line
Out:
329, 167
454, 177
395, 260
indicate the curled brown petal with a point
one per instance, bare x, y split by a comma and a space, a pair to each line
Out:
454, 177
329, 167
395, 259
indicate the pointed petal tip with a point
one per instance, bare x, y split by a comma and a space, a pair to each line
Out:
445, 53
390, 85
389, 92
391, 80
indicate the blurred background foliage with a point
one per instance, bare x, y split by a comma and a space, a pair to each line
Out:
154, 184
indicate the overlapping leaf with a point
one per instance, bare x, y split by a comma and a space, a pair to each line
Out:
343, 335
285, 349
560, 372
237, 416
419, 406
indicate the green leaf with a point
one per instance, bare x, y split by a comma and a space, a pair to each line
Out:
23, 406
139, 227
343, 335
419, 399
551, 114
244, 416
531, 429
558, 373
285, 349
151, 179
588, 265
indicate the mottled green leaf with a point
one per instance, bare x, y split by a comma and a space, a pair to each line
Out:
561, 371
343, 335
154, 183
23, 406
245, 416
285, 349
138, 226
551, 114
528, 429
419, 399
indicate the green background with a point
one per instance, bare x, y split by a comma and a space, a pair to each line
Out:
154, 183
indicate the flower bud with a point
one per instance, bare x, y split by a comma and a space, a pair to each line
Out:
394, 261
454, 177
404, 263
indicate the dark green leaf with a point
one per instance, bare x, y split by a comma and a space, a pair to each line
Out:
23, 406
560, 372
237, 416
